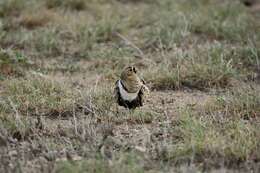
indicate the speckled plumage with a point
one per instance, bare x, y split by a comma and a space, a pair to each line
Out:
130, 90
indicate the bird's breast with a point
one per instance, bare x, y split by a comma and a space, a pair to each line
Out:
126, 95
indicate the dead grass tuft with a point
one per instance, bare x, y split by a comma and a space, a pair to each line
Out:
36, 19
69, 4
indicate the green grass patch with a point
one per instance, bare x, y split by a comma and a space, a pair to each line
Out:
175, 21
208, 66
12, 63
103, 100
126, 163
39, 96
15, 127
204, 140
242, 102
228, 21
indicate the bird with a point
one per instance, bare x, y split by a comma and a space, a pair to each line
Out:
130, 90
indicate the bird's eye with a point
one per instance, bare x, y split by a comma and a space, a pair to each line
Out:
128, 68
134, 69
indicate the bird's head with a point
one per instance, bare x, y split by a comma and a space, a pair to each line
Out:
129, 73
130, 79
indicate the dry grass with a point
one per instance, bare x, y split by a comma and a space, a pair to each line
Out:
242, 102
127, 163
208, 66
54, 98
203, 142
35, 19
58, 64
11, 7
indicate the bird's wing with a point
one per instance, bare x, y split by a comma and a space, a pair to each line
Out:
144, 93
144, 88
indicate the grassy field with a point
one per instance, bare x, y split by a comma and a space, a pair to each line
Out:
59, 60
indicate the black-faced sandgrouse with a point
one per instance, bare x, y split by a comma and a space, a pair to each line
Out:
130, 90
